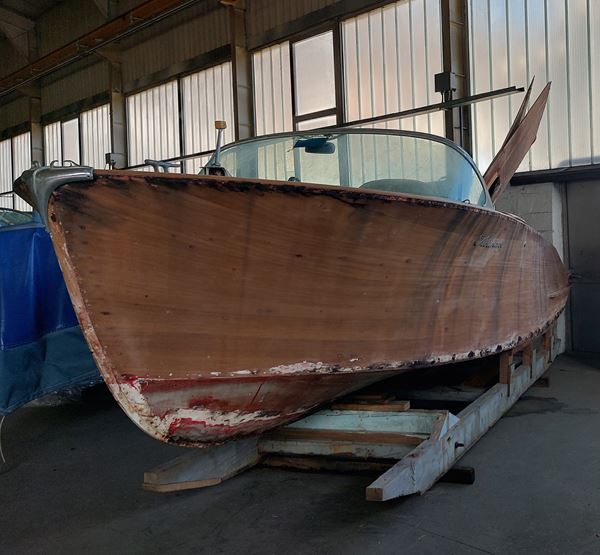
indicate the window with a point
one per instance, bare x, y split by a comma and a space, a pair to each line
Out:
85, 139
15, 158
313, 88
53, 143
390, 57
153, 124
95, 136
6, 180
510, 43
314, 81
207, 96
70, 140
272, 89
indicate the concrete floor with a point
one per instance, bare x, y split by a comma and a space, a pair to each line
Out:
75, 486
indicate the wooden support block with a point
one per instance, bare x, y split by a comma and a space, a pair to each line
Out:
528, 354
505, 367
428, 462
393, 406
203, 467
547, 340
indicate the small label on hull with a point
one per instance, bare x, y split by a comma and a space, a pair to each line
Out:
488, 242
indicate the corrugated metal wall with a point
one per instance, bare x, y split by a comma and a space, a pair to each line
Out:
264, 15
514, 40
14, 113
183, 37
88, 81
65, 22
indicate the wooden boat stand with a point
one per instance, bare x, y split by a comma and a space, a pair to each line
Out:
373, 431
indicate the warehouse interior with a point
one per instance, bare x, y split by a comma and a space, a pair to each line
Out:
113, 83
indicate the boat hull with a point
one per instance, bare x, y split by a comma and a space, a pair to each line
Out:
220, 307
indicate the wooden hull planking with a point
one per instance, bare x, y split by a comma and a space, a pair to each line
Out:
220, 307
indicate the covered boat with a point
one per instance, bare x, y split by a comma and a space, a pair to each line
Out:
42, 349
299, 267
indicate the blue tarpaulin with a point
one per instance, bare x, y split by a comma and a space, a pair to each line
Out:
42, 348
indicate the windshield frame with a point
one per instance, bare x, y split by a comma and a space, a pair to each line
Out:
366, 131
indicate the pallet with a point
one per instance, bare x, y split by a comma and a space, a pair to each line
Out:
413, 448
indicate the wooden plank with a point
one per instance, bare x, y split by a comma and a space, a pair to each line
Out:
399, 406
334, 448
289, 433
370, 397
521, 137
419, 470
324, 463
411, 421
505, 367
203, 467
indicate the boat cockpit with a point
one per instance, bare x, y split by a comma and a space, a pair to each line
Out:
375, 159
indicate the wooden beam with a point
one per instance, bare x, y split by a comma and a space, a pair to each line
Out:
393, 406
428, 462
16, 19
203, 467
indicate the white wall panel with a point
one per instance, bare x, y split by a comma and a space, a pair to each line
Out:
95, 136
52, 143
390, 57
512, 41
272, 89
207, 97
153, 124
6, 180
21, 158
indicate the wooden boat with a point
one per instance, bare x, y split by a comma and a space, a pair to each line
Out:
226, 304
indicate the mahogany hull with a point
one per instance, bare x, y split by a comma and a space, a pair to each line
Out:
219, 307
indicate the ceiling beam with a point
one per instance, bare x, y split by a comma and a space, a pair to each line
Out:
132, 21
18, 38
15, 19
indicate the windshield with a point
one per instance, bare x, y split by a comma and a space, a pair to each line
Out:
384, 161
